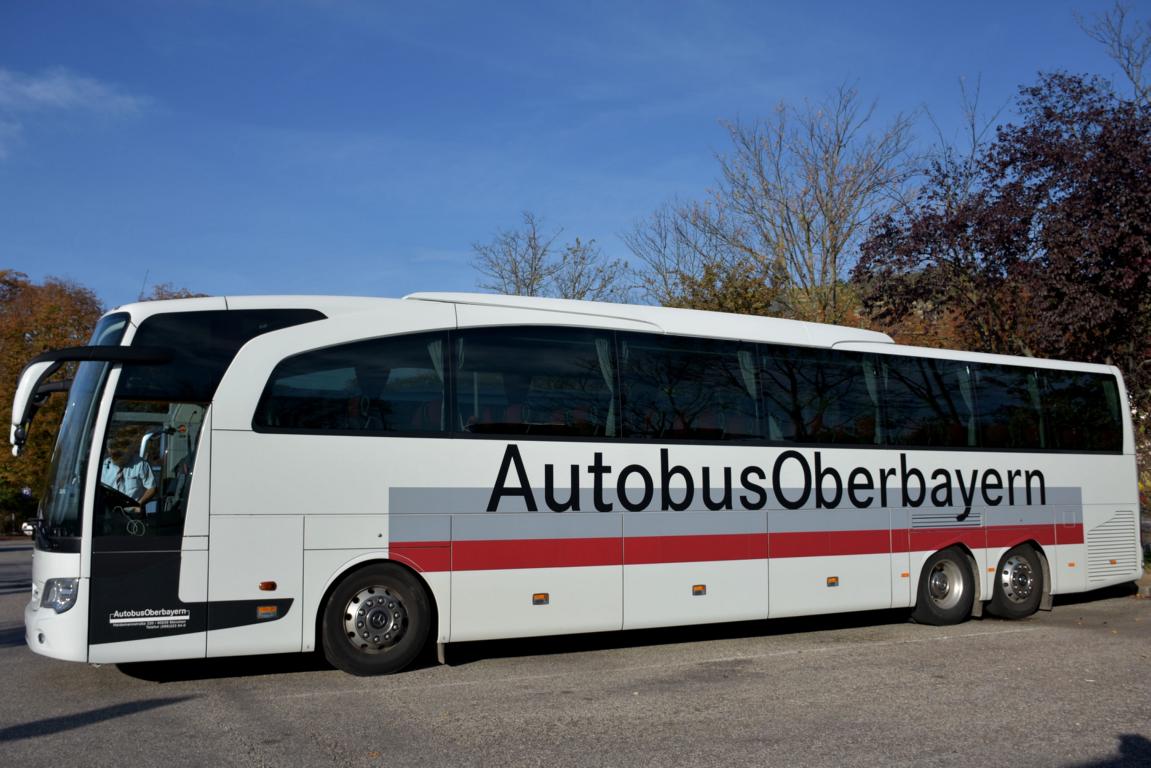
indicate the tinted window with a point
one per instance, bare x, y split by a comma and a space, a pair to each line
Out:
535, 381
202, 345
929, 402
691, 389
1008, 407
1081, 411
820, 396
393, 384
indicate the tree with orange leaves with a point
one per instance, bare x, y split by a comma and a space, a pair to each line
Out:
35, 318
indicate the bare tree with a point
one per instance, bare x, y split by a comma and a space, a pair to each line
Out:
517, 261
802, 186
584, 273
689, 261
528, 262
1128, 42
794, 196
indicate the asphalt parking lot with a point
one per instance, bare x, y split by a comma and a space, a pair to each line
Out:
1066, 688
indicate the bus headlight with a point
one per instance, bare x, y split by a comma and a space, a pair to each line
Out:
60, 594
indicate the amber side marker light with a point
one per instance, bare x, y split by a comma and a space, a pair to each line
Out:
698, 590
265, 612
541, 598
833, 581
267, 586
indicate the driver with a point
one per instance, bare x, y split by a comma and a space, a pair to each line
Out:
124, 469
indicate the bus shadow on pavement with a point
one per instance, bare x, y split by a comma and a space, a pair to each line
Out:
11, 637
467, 653
232, 666
1107, 593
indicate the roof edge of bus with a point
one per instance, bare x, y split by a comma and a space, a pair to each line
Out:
670, 319
327, 303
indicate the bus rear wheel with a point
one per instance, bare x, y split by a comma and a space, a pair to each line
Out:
376, 621
946, 589
1018, 584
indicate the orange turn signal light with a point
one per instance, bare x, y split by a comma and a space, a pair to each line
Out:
541, 598
267, 586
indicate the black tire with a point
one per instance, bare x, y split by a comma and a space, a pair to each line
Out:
376, 621
946, 589
1018, 584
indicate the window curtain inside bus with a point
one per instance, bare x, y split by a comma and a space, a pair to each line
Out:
963, 375
747, 371
436, 352
1033, 393
603, 352
872, 383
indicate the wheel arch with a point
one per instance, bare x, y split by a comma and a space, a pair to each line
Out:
347, 569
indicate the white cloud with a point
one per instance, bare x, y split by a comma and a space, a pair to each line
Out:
59, 89
25, 97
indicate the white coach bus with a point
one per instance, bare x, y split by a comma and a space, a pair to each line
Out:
261, 475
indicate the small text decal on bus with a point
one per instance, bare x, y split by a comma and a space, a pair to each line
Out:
151, 618
674, 487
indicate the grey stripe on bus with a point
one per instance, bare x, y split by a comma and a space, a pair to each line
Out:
519, 526
464, 501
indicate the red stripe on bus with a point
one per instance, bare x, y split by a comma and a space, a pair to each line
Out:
646, 550
535, 553
1070, 533
424, 555
819, 543
650, 550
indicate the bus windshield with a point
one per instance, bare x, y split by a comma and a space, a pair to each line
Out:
61, 501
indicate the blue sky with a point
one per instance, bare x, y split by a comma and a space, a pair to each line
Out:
312, 146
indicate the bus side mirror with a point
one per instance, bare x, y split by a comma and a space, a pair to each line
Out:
24, 404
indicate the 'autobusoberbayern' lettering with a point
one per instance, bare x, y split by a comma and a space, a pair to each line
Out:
674, 487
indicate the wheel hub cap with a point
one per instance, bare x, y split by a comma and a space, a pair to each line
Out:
945, 584
1017, 579
375, 619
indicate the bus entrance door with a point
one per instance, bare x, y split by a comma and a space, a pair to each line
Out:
149, 568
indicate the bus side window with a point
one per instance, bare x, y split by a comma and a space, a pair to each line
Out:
393, 384
821, 396
929, 402
688, 389
1007, 398
535, 381
1081, 411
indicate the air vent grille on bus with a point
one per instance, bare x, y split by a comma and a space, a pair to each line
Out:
1111, 547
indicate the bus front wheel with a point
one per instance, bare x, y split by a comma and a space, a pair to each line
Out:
1018, 584
946, 589
376, 621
